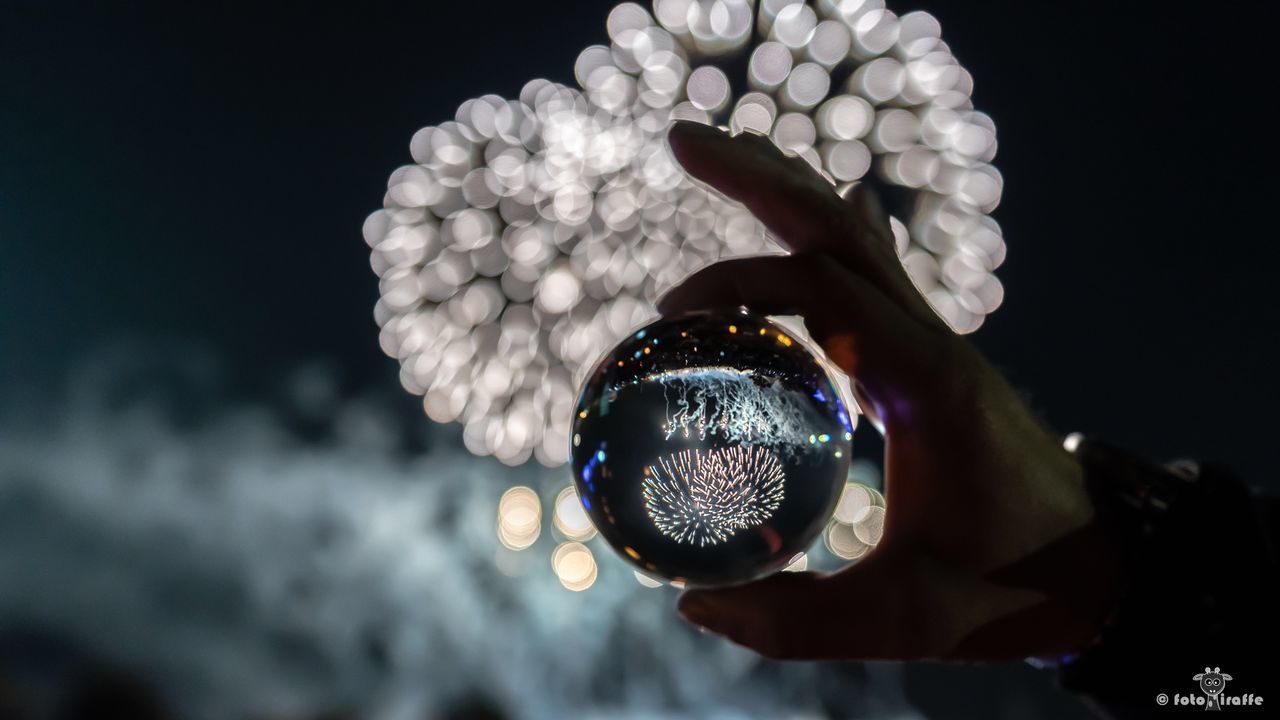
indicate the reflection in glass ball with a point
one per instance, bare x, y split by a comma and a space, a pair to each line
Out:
711, 447
704, 499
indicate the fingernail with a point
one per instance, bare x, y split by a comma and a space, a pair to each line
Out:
713, 141
682, 129
692, 126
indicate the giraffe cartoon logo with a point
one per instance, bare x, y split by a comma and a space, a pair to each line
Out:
1211, 684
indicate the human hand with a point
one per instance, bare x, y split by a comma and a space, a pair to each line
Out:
989, 548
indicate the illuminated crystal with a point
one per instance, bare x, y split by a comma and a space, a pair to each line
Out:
710, 448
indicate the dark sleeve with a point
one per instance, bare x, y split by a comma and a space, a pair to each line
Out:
1198, 550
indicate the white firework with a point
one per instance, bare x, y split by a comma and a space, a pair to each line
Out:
704, 498
530, 235
730, 403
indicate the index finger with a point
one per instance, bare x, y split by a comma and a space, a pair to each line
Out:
798, 206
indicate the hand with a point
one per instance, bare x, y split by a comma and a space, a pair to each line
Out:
989, 548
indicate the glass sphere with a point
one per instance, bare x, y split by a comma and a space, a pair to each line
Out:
710, 448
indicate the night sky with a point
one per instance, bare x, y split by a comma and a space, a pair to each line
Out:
194, 177
181, 175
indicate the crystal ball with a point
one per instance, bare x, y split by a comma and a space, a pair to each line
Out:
711, 447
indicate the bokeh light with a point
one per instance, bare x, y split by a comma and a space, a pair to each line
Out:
574, 565
529, 235
853, 500
245, 564
868, 524
519, 518
843, 543
570, 518
647, 581
857, 525
800, 564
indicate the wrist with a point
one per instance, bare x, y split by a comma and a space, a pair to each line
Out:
1193, 554
1088, 600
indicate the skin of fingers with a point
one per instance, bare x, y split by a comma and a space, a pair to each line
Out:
861, 331
804, 615
796, 615
918, 383
800, 207
889, 605
922, 385
904, 602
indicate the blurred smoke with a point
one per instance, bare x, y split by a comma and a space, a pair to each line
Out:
169, 550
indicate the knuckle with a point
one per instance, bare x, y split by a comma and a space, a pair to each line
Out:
954, 365
815, 265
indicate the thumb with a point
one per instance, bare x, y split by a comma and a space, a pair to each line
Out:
762, 615
806, 615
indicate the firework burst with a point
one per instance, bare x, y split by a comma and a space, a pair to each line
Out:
529, 235
705, 498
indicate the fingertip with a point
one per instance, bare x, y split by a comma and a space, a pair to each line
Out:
681, 129
692, 602
712, 287
866, 203
781, 586
685, 135
697, 608
669, 302
700, 294
732, 164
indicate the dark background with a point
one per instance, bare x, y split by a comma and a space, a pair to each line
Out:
201, 173
197, 175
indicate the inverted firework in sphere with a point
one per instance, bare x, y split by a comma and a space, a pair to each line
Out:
530, 235
710, 447
705, 498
